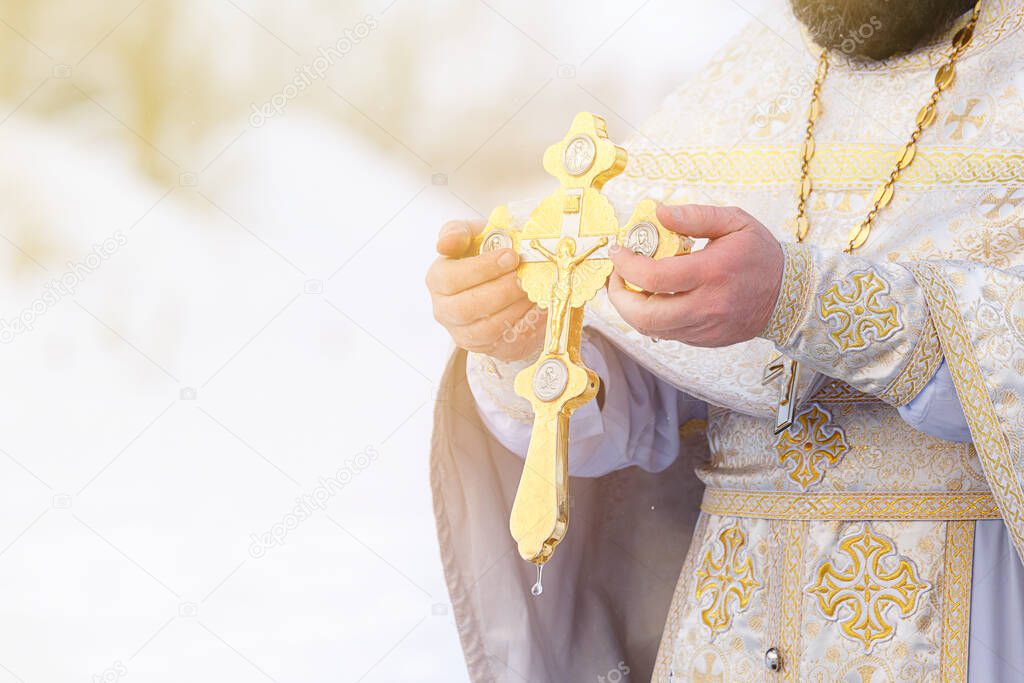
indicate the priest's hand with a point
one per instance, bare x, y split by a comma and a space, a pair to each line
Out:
721, 295
478, 299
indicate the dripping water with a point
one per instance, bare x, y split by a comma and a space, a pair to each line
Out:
538, 587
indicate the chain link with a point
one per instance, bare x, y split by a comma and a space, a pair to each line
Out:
926, 116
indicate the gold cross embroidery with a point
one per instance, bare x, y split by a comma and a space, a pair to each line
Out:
998, 205
728, 580
810, 446
708, 669
860, 309
962, 120
871, 580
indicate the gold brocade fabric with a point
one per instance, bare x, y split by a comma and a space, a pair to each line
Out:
732, 136
845, 553
846, 542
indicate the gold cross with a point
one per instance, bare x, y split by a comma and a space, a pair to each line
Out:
812, 446
859, 311
862, 595
711, 671
564, 262
961, 120
1010, 198
729, 581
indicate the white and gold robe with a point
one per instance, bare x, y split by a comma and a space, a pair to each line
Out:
847, 543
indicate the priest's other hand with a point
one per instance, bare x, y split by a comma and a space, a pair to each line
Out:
478, 299
721, 295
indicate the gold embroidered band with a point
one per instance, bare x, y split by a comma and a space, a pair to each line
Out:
839, 166
997, 458
956, 600
924, 361
795, 296
792, 600
850, 506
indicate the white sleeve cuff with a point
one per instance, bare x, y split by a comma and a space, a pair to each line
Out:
638, 423
936, 410
509, 417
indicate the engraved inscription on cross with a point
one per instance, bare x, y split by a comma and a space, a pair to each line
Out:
564, 262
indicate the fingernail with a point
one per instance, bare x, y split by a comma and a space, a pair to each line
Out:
677, 213
456, 230
507, 260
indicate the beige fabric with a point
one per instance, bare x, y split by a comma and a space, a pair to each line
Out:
608, 588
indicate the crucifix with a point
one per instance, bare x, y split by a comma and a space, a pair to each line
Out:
564, 263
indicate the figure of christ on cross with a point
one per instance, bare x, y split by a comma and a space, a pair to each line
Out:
678, 467
566, 262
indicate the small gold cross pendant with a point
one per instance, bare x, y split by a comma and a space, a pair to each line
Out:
789, 371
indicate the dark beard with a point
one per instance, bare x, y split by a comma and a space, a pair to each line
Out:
876, 29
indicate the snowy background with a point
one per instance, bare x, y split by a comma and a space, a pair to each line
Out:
212, 310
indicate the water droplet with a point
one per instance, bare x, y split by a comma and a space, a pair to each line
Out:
538, 587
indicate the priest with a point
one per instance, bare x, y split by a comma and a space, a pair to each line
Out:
805, 460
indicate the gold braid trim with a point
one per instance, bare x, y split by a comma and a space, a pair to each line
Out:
839, 166
837, 391
854, 506
792, 599
777, 529
989, 440
956, 601
794, 295
924, 361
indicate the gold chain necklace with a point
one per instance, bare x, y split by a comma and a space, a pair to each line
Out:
789, 369
925, 117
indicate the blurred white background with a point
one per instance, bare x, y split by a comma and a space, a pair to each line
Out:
212, 309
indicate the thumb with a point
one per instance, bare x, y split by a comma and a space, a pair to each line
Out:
456, 237
703, 220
